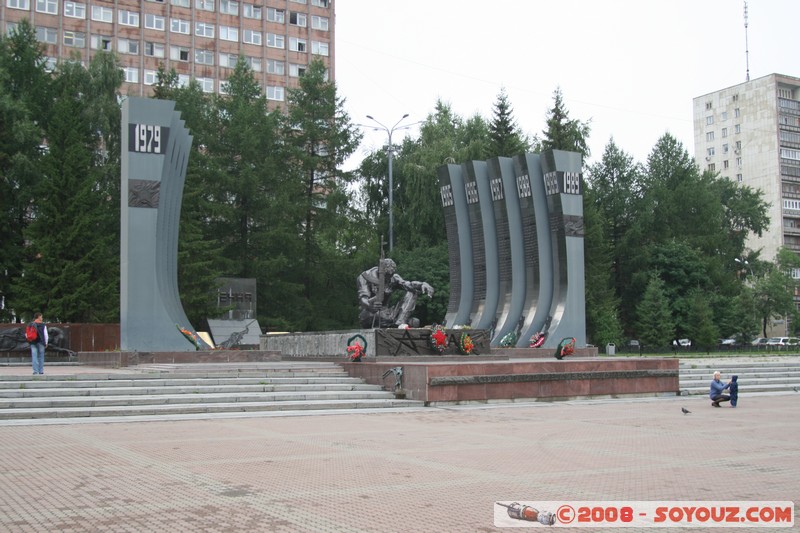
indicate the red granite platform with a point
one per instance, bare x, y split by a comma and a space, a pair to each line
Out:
437, 382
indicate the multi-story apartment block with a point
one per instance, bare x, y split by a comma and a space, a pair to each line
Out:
750, 133
200, 39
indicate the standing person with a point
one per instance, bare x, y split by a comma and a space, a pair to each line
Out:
38, 346
734, 390
715, 393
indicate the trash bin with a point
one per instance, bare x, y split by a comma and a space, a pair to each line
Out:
611, 349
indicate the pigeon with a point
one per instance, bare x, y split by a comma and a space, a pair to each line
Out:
685, 410
796, 389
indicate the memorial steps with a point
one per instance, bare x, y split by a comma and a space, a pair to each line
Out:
778, 375
164, 390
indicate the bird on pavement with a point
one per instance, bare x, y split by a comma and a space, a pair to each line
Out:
685, 410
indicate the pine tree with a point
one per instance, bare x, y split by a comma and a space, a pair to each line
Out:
654, 324
505, 139
563, 133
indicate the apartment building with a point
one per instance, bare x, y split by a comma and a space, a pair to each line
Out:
750, 133
200, 39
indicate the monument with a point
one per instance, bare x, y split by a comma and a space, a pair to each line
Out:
155, 153
535, 235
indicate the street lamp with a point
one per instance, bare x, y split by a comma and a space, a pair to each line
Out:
389, 131
744, 262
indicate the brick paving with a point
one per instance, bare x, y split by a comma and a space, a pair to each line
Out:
432, 469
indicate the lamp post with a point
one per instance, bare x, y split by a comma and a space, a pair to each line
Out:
746, 263
389, 131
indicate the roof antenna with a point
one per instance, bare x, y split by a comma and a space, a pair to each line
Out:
746, 46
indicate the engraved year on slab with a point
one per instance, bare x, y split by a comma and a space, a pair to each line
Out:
147, 138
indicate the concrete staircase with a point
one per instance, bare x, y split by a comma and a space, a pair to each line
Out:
191, 389
769, 375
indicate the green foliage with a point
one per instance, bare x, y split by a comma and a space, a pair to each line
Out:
654, 325
562, 132
505, 138
429, 264
702, 328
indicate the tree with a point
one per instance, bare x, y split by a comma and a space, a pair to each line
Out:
505, 138
24, 84
655, 324
702, 328
562, 132
320, 137
71, 269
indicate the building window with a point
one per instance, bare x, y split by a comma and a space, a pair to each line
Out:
229, 33
46, 35
150, 77
128, 18
297, 19
275, 15
275, 93
75, 10
183, 80
204, 5
739, 162
737, 128
180, 3
725, 164
102, 14
276, 41
204, 57
207, 84
131, 74
254, 63
708, 106
295, 71
783, 92
710, 136
179, 53
318, 48
154, 22
128, 46
724, 148
712, 167
297, 45
724, 132
319, 23
154, 49
724, 116
737, 113
204, 29
709, 120
228, 60
739, 178
251, 11
251, 37
19, 4
47, 6
179, 26
276, 67
228, 7
735, 98
787, 153
794, 205
298, 1
710, 151
76, 39
102, 42
319, 3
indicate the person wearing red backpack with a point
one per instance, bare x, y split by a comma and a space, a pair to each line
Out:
39, 344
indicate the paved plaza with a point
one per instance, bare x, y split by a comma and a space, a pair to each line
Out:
436, 469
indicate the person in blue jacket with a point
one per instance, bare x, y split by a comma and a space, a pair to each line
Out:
733, 389
717, 388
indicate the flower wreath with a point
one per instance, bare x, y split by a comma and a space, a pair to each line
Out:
438, 339
537, 339
191, 337
566, 347
356, 351
509, 340
465, 344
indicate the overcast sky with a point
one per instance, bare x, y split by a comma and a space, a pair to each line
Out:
632, 67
